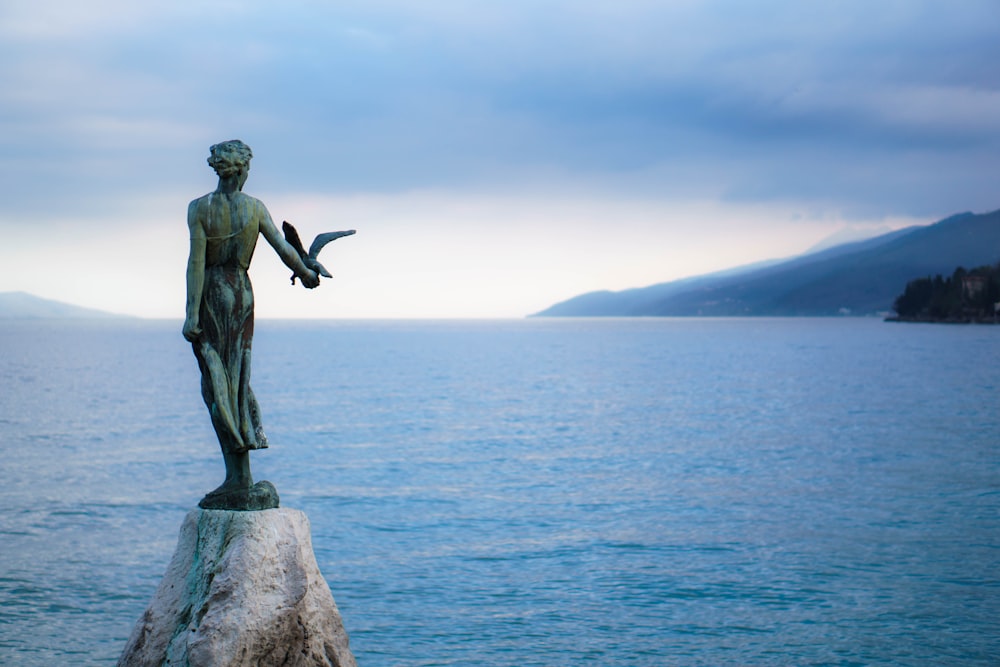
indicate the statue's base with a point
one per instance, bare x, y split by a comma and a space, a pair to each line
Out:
260, 496
243, 588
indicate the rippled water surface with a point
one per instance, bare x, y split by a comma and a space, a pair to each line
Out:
539, 492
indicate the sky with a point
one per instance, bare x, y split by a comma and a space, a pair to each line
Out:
494, 157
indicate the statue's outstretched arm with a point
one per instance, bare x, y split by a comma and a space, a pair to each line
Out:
286, 252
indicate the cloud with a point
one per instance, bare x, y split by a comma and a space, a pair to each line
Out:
395, 95
863, 110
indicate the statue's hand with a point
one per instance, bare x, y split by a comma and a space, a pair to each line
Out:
310, 279
192, 332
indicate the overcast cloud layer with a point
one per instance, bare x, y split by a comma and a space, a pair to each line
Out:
638, 118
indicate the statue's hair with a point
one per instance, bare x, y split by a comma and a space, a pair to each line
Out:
229, 158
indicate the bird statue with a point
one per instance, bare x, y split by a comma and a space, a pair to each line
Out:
309, 259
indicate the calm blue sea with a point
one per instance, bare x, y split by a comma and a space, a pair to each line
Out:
539, 492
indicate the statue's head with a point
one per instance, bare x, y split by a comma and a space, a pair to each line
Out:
230, 158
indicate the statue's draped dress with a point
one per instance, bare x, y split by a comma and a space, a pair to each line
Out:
226, 319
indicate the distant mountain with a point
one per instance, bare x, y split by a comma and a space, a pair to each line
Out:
849, 235
21, 305
860, 278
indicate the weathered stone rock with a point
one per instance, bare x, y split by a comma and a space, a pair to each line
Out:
243, 588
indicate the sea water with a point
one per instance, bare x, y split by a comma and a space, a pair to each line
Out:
537, 492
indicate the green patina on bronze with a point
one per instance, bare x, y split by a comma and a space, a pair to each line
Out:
224, 226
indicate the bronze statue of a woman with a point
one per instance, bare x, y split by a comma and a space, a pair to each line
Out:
224, 226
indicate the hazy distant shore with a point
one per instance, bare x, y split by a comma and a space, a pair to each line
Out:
945, 320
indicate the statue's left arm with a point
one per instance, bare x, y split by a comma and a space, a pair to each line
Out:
195, 274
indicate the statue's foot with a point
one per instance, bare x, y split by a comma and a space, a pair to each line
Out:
260, 496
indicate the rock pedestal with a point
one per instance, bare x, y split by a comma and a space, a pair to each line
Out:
243, 588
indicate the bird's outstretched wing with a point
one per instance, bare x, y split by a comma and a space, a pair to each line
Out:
292, 237
323, 239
